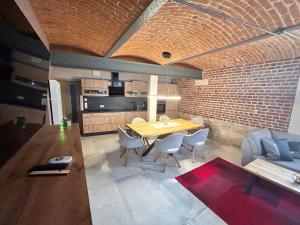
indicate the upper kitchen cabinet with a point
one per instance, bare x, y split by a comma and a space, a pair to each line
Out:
167, 89
136, 89
93, 87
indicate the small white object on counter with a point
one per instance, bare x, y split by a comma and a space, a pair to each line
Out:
61, 159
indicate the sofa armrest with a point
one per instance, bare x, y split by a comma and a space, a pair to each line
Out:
247, 155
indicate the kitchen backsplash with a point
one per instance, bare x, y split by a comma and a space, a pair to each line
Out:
114, 103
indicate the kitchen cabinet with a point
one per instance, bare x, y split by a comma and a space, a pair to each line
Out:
136, 89
106, 122
167, 89
93, 87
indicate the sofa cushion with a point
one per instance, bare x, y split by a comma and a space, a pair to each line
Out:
294, 146
254, 140
295, 155
293, 165
284, 149
271, 149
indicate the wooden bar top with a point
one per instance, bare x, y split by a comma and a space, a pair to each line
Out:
45, 200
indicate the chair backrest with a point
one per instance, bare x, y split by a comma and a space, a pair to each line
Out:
173, 141
198, 136
138, 120
198, 120
123, 136
163, 117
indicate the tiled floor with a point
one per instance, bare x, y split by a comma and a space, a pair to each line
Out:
140, 194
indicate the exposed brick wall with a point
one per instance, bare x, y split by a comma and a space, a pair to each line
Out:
260, 95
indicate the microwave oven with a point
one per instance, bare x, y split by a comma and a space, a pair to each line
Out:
161, 107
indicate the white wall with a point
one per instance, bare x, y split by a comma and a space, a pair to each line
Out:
294, 126
152, 98
56, 101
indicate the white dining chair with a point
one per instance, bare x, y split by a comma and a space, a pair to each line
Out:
138, 120
168, 146
196, 140
198, 120
164, 117
127, 143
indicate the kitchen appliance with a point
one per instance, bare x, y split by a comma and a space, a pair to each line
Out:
161, 107
116, 87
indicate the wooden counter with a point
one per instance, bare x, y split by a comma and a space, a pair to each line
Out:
47, 200
13, 137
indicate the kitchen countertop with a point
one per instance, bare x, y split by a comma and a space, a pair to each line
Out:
108, 111
45, 200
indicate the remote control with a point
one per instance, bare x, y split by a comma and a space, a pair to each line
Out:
48, 172
61, 160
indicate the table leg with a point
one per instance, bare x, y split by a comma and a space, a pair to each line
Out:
146, 141
146, 152
250, 184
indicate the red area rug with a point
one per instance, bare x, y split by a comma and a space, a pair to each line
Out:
220, 185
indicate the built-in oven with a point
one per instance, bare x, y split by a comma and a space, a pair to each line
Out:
161, 107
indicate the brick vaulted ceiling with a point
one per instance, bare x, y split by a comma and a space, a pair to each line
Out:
95, 25
186, 32
89, 25
12, 15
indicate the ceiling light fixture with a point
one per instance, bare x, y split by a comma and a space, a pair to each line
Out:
166, 55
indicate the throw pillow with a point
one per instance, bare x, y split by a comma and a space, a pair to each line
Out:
271, 149
294, 146
284, 149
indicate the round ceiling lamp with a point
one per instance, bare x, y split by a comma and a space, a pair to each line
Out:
166, 55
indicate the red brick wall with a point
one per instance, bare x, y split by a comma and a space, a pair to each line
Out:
259, 95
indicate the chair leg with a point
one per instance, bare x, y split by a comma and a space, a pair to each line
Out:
126, 157
167, 156
156, 158
176, 161
203, 155
122, 153
135, 151
193, 149
139, 154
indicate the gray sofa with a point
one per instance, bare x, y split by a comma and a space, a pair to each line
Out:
253, 149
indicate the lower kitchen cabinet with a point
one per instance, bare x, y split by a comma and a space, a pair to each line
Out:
105, 122
170, 113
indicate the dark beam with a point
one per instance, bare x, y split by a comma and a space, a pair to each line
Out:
71, 60
282, 31
154, 6
15, 40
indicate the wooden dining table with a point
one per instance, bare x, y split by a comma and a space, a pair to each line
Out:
161, 129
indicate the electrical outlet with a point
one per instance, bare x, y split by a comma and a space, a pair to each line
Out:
102, 106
